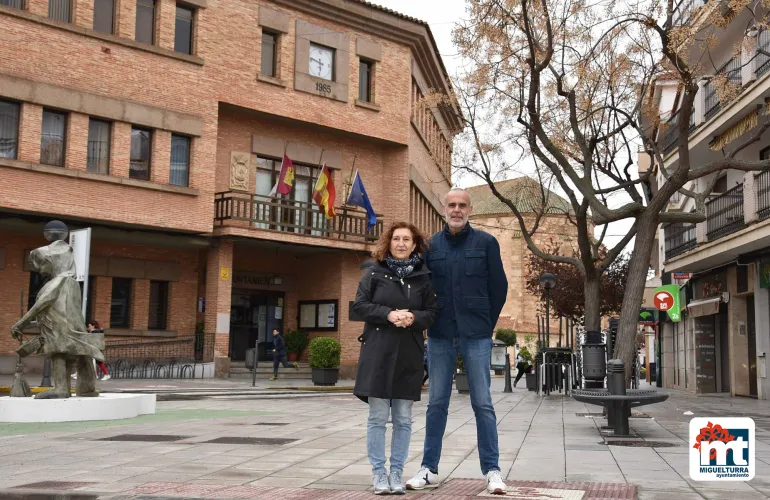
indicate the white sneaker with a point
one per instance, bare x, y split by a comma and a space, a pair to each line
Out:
495, 484
423, 479
106, 377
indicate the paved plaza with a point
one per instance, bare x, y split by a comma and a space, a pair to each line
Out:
223, 439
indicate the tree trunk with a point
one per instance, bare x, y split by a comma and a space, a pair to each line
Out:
625, 346
593, 320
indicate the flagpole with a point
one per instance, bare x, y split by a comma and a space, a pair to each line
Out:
347, 193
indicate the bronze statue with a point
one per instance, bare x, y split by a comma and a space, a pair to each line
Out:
58, 310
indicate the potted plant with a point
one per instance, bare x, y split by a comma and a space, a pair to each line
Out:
531, 380
296, 342
461, 378
325, 360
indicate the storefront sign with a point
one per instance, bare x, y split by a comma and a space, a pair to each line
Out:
258, 280
682, 276
666, 298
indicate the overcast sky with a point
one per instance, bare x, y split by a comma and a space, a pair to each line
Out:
441, 15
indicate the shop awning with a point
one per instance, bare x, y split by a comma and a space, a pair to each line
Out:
704, 307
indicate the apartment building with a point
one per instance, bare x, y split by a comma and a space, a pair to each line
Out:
721, 264
161, 125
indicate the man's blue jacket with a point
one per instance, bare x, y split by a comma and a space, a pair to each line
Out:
469, 281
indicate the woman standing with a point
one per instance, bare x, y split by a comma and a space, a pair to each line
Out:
396, 300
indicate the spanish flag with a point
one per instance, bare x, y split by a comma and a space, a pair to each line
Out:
324, 193
285, 178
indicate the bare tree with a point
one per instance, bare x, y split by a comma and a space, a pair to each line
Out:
565, 86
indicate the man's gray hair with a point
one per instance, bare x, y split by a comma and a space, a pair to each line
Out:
456, 189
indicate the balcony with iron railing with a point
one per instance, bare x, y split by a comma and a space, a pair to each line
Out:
762, 183
724, 213
732, 69
277, 214
679, 238
685, 9
671, 135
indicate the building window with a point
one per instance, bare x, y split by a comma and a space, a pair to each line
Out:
52, 138
184, 30
145, 21
36, 282
321, 62
9, 129
120, 306
180, 160
298, 213
158, 305
98, 160
15, 4
269, 54
365, 81
61, 10
318, 314
104, 16
141, 145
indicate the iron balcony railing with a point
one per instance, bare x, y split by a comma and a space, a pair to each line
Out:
684, 10
724, 213
733, 71
278, 214
679, 238
763, 52
763, 195
671, 135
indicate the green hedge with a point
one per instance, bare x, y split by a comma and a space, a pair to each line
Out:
296, 341
325, 352
506, 335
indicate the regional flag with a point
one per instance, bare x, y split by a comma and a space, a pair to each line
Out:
285, 178
359, 198
324, 193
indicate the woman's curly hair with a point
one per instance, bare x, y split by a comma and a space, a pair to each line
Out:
382, 247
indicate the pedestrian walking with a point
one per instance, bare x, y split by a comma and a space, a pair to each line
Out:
470, 283
522, 367
279, 354
395, 299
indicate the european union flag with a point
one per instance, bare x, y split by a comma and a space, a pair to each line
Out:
359, 198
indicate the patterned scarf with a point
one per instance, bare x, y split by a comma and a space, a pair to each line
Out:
402, 268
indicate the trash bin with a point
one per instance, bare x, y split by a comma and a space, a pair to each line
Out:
250, 357
594, 358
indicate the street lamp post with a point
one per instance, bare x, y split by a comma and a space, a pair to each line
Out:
548, 281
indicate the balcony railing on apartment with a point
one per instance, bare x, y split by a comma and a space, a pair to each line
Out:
763, 52
679, 238
733, 71
724, 213
298, 217
685, 9
671, 135
762, 182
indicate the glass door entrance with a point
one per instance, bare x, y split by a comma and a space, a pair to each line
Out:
253, 316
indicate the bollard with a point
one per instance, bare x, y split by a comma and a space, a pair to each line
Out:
616, 384
46, 382
508, 387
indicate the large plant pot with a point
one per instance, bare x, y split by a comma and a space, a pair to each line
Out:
292, 356
461, 382
531, 381
325, 376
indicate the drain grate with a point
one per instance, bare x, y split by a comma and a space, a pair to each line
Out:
251, 440
149, 438
55, 485
641, 444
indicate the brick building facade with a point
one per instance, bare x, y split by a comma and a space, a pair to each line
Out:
161, 126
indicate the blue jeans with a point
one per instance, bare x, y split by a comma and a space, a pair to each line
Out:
375, 433
477, 356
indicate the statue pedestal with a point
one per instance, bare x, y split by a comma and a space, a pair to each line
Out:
74, 409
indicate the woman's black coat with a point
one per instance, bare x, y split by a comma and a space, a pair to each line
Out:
391, 362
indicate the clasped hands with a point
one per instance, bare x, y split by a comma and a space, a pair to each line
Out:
401, 318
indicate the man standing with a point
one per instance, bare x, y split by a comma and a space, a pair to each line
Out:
469, 280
